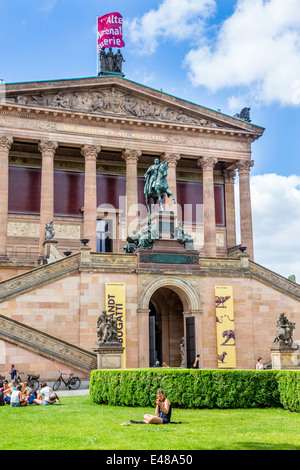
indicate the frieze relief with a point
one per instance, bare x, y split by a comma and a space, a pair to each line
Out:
31, 229
111, 101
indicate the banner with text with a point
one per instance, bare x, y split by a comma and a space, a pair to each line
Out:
109, 31
115, 306
225, 327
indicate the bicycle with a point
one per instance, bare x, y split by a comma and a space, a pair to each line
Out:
32, 380
73, 383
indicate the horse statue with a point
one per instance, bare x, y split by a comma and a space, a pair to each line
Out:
156, 185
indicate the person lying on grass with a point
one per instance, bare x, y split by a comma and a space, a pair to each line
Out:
162, 412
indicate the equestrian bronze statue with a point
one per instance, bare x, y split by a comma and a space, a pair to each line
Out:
156, 185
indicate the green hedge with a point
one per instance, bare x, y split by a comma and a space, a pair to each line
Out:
188, 388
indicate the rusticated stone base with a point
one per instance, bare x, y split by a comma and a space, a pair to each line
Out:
109, 355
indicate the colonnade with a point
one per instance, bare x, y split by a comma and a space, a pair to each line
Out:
131, 157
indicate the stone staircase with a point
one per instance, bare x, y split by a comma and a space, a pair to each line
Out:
37, 341
47, 346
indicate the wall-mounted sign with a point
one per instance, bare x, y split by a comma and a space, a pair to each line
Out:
115, 305
225, 327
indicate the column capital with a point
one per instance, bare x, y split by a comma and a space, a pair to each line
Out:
90, 152
143, 312
207, 163
229, 176
171, 158
6, 142
131, 156
244, 165
47, 148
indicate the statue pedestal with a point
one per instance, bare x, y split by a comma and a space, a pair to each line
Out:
285, 356
109, 355
167, 251
164, 223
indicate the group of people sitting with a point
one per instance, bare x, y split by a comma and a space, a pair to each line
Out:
22, 395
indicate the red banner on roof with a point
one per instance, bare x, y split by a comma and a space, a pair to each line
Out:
109, 32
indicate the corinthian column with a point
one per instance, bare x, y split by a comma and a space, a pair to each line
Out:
47, 150
131, 158
229, 177
90, 153
171, 159
243, 167
207, 164
5, 145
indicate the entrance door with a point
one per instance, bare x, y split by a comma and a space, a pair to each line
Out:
154, 337
190, 341
152, 346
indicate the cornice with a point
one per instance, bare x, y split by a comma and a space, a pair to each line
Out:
78, 117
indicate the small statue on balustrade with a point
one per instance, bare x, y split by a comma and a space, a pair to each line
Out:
49, 231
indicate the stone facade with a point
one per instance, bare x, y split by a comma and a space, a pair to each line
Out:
78, 144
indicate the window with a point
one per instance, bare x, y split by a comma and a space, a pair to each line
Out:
104, 236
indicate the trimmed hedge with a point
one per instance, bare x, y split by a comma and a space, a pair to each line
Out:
189, 388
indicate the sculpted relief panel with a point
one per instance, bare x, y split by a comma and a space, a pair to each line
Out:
110, 101
31, 229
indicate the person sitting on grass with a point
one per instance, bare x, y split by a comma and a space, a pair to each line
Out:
17, 398
46, 396
162, 411
29, 393
8, 389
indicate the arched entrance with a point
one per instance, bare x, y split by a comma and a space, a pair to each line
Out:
169, 309
166, 327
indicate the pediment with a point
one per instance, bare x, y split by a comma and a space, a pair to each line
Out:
117, 97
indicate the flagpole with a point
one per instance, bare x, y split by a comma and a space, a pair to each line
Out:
97, 45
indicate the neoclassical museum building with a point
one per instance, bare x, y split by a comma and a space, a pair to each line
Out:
73, 155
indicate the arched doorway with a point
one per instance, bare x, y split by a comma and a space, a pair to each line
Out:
166, 327
169, 308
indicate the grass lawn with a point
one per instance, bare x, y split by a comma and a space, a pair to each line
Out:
79, 424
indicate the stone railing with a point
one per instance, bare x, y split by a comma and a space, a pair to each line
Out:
45, 345
275, 280
211, 266
37, 277
244, 267
110, 261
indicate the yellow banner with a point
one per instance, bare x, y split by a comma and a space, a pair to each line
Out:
225, 327
115, 305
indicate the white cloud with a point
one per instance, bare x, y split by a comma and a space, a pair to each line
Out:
258, 47
175, 19
276, 222
48, 5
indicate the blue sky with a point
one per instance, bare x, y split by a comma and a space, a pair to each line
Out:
221, 54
